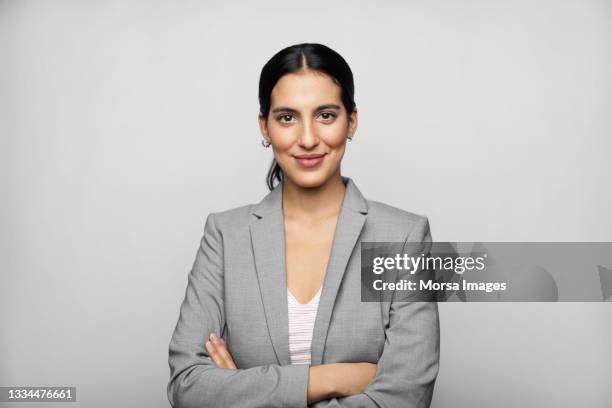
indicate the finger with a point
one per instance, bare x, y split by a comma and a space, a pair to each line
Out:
227, 356
213, 352
210, 349
219, 345
223, 351
218, 357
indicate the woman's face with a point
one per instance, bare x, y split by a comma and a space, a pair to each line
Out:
308, 126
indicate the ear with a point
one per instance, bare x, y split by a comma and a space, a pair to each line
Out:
263, 127
352, 126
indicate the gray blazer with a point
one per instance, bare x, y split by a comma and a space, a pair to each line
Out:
237, 288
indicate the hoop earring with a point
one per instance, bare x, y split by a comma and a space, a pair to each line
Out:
265, 143
350, 138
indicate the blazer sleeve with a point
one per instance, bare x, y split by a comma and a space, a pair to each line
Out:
195, 381
408, 367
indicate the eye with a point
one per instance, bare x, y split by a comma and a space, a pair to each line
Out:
328, 116
284, 118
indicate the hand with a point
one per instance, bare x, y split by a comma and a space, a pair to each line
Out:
219, 353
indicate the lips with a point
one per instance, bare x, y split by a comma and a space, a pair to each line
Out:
309, 160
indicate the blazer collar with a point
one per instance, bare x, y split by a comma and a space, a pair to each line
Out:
268, 244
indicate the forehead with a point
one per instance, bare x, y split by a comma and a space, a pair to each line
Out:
306, 89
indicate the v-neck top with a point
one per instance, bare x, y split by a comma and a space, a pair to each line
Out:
301, 324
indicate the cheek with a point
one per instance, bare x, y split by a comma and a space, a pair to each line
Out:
283, 137
333, 135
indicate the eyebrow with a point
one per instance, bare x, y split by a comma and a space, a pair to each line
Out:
288, 109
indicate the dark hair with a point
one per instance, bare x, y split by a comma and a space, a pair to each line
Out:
297, 57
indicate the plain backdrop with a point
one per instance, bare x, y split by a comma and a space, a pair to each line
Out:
124, 123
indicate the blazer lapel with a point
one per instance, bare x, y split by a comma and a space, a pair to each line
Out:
268, 241
348, 228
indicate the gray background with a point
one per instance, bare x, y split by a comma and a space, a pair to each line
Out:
124, 123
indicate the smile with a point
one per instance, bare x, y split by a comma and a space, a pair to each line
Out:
308, 161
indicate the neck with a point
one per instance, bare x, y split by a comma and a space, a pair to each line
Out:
313, 203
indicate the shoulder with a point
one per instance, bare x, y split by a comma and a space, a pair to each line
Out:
383, 210
388, 216
232, 218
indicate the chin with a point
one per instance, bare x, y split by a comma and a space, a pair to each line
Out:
309, 179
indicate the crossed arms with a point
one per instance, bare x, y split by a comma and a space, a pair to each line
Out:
404, 377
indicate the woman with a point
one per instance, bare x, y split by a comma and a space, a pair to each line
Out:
272, 315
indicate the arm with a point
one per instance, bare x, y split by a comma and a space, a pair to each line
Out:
195, 381
324, 380
408, 367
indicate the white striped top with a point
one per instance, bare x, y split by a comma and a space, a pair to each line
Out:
301, 323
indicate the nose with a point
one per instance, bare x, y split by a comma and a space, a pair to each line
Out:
308, 138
